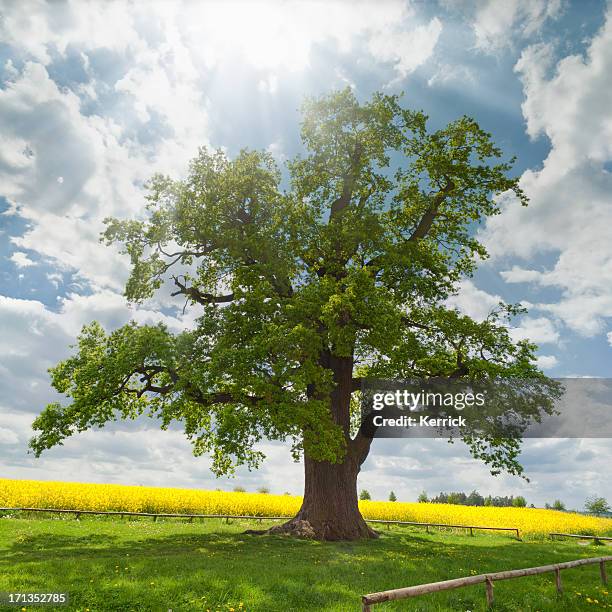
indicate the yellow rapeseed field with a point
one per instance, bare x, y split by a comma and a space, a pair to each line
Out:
71, 495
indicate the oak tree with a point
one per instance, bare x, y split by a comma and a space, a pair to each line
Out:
303, 285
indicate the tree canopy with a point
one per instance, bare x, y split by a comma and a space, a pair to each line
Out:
345, 265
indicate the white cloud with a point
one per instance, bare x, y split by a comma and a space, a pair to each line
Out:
406, 49
570, 211
497, 24
21, 260
453, 74
55, 278
36, 28
268, 35
535, 329
609, 336
8, 436
274, 36
473, 302
546, 362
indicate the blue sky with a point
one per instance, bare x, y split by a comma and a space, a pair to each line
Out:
96, 97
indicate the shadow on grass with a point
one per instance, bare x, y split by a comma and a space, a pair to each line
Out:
137, 566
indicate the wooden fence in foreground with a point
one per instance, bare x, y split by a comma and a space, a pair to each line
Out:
488, 579
122, 513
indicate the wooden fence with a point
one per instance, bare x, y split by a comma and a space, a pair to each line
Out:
155, 515
488, 579
249, 517
580, 536
468, 527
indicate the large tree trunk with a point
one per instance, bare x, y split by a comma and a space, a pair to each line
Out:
330, 510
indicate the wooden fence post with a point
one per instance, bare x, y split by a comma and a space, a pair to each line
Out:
489, 584
602, 570
558, 580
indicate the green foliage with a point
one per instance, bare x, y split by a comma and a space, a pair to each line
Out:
392, 497
519, 502
423, 499
263, 490
558, 505
364, 495
597, 505
476, 499
349, 267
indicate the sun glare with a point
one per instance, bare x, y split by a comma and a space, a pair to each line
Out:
269, 34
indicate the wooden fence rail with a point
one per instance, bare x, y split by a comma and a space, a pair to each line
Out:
238, 516
488, 579
470, 527
581, 536
153, 514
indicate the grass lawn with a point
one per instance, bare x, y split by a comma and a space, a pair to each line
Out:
113, 564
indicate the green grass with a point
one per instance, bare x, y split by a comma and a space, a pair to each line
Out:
112, 564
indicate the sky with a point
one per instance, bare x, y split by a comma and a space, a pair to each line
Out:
95, 97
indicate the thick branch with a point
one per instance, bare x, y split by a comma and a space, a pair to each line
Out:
147, 377
197, 296
424, 225
411, 323
359, 447
348, 183
204, 250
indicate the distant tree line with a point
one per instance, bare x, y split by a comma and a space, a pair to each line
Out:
593, 505
474, 499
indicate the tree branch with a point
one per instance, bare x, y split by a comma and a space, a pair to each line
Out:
348, 183
411, 323
197, 296
424, 225
205, 250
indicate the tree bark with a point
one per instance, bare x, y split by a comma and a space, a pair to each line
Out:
330, 509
